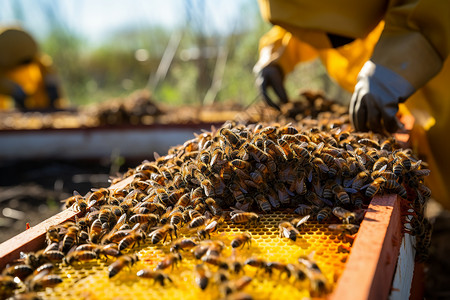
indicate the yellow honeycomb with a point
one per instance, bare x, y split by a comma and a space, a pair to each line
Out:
90, 280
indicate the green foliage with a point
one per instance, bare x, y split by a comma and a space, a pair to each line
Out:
95, 73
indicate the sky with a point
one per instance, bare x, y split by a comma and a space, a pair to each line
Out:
95, 19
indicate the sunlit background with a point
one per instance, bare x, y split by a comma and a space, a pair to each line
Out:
192, 51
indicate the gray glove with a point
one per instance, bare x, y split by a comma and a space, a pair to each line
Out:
374, 102
272, 76
19, 97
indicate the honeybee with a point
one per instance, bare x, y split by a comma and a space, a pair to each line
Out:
235, 286
182, 244
21, 271
54, 256
360, 179
52, 234
301, 152
161, 233
70, 238
346, 216
213, 206
210, 226
286, 149
47, 267
141, 185
215, 260
157, 276
7, 286
176, 217
177, 194
230, 137
297, 270
42, 281
241, 240
144, 219
269, 130
258, 263
256, 153
80, 256
201, 276
197, 222
319, 164
162, 197
281, 267
344, 228
381, 162
96, 231
263, 203
204, 169
288, 231
375, 186
341, 194
272, 197
171, 259
98, 195
318, 283
235, 189
393, 185
240, 217
77, 202
369, 143
287, 130
241, 164
108, 250
208, 188
323, 214
134, 237
200, 250
303, 209
120, 263
424, 190
274, 150
284, 195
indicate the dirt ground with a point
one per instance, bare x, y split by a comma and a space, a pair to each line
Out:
31, 192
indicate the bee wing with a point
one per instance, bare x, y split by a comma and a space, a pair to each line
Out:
235, 211
350, 190
302, 220
326, 201
365, 186
156, 155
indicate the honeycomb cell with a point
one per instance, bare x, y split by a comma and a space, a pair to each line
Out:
90, 280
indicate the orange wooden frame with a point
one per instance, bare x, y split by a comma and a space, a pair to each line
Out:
368, 273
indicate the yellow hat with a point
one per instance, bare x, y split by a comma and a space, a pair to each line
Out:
16, 47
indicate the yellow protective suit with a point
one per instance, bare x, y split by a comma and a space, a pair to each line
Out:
21, 64
409, 37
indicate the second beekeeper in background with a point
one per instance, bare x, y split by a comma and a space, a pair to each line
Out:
384, 52
27, 77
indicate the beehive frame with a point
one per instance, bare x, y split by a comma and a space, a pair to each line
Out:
371, 263
369, 268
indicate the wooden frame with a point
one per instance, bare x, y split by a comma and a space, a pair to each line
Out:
368, 273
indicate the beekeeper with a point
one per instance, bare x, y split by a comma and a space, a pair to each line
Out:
384, 52
27, 78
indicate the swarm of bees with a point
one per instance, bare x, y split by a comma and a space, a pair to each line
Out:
319, 171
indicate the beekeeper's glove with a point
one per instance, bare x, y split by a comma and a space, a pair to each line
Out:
374, 103
272, 76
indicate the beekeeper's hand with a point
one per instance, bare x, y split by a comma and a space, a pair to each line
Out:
272, 76
19, 97
374, 103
